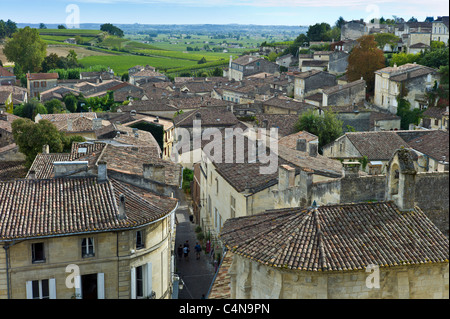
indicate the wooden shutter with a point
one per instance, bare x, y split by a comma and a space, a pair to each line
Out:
101, 286
133, 283
149, 282
29, 289
52, 288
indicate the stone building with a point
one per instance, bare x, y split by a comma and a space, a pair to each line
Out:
40, 82
386, 249
347, 94
410, 81
247, 65
440, 29
311, 82
354, 30
104, 239
330, 252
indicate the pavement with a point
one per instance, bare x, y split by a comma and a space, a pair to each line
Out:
197, 275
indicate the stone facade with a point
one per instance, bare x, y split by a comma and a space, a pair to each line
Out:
347, 94
252, 280
309, 83
113, 264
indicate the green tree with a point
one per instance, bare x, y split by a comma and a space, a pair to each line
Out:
30, 109
112, 30
26, 49
42, 26
386, 38
407, 115
327, 126
54, 106
7, 29
51, 62
435, 58
30, 137
403, 58
62, 27
318, 32
202, 61
71, 102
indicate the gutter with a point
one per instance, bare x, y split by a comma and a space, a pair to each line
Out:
6, 247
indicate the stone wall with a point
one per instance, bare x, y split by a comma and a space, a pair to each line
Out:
252, 280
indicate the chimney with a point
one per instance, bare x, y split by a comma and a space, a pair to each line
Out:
135, 132
31, 174
313, 148
198, 116
69, 124
70, 168
102, 175
157, 119
301, 145
286, 177
155, 172
122, 210
401, 179
350, 169
46, 149
96, 124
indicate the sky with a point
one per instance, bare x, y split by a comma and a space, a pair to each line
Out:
260, 12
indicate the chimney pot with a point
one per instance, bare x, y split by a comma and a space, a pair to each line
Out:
301, 145
313, 148
46, 149
122, 210
102, 175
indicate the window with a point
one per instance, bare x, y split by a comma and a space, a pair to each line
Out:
141, 281
217, 186
43, 84
233, 206
41, 289
37, 253
140, 239
87, 247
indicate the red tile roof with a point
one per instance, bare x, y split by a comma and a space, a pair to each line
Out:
339, 237
42, 76
62, 206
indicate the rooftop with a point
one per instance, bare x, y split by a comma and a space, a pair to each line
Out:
341, 237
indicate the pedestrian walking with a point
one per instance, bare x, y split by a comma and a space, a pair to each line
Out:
180, 252
198, 249
186, 252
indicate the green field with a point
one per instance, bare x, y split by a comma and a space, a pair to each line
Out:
70, 32
121, 63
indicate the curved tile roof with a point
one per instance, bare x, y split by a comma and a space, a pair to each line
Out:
337, 237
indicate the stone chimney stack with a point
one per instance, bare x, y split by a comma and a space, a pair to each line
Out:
301, 145
96, 124
46, 149
122, 209
69, 124
70, 168
155, 172
350, 169
286, 177
313, 148
102, 175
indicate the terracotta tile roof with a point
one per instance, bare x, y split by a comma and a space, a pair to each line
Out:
12, 170
337, 88
284, 122
246, 59
315, 63
6, 120
288, 103
64, 206
42, 76
435, 145
340, 237
209, 116
5, 73
376, 145
290, 141
221, 286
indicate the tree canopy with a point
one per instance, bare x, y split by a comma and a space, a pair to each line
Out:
26, 49
31, 137
112, 29
7, 29
364, 60
327, 126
